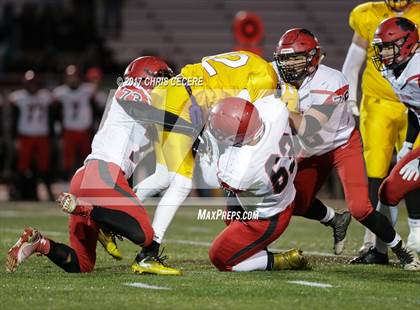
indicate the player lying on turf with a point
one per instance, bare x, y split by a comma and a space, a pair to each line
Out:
104, 197
257, 168
397, 57
327, 134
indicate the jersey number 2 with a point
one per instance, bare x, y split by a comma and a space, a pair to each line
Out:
223, 58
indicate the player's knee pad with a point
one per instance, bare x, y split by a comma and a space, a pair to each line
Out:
388, 195
217, 260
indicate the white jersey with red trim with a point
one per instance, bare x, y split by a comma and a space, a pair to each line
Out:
327, 87
120, 139
407, 85
33, 111
76, 104
262, 175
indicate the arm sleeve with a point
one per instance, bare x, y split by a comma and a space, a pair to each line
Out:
355, 58
413, 128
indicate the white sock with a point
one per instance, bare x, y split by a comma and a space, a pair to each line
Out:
168, 205
412, 223
329, 216
395, 241
255, 262
154, 184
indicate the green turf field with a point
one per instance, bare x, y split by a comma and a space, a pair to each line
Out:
38, 284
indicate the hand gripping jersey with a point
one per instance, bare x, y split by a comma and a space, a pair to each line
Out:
364, 19
33, 111
327, 87
262, 175
76, 104
120, 139
407, 85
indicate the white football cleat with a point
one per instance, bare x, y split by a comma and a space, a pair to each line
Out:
368, 241
24, 247
413, 240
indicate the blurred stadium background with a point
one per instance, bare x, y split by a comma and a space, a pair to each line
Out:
100, 37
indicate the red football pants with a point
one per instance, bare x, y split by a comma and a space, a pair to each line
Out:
102, 184
394, 188
36, 147
350, 165
242, 239
75, 143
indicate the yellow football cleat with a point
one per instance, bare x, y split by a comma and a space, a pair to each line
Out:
290, 260
153, 265
110, 245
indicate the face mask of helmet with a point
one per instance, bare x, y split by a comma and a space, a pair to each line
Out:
398, 5
293, 67
387, 55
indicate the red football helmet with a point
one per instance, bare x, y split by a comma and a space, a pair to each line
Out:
297, 54
148, 71
235, 121
394, 43
398, 5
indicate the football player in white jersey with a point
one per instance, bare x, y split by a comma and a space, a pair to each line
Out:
78, 107
100, 196
32, 128
327, 135
397, 57
258, 169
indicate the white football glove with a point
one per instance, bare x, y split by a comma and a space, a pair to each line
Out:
354, 108
410, 171
406, 148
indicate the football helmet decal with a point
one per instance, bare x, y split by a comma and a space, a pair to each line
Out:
398, 5
236, 122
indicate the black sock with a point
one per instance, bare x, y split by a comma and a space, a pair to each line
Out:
152, 249
380, 226
64, 257
119, 223
374, 184
270, 260
412, 200
317, 210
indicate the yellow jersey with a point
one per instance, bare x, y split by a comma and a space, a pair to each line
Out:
216, 77
364, 19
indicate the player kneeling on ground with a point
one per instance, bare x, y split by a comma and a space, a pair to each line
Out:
100, 196
397, 57
257, 169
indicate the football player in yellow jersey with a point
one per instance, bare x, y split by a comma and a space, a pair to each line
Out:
383, 119
190, 95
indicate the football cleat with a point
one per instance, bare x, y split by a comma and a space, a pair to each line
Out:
368, 241
109, 243
407, 257
339, 224
371, 257
25, 246
147, 264
413, 240
290, 260
67, 202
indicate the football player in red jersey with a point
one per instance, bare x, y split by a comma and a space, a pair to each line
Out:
100, 196
328, 137
32, 129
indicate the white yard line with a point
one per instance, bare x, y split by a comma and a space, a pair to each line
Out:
314, 284
189, 242
44, 232
148, 286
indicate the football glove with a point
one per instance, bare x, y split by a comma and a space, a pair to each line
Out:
406, 148
354, 108
290, 96
410, 171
